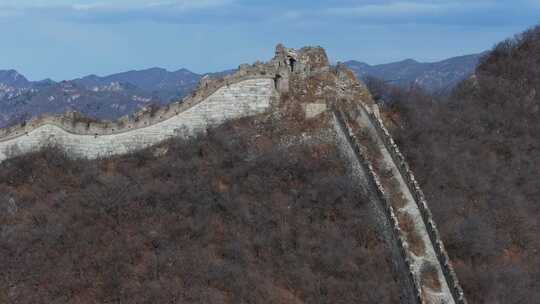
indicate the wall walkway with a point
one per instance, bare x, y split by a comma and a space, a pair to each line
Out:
430, 274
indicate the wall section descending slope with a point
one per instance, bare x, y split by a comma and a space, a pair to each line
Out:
232, 101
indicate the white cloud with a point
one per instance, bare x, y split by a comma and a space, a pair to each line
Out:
533, 3
293, 15
407, 8
111, 11
188, 4
82, 5
9, 12
90, 6
397, 8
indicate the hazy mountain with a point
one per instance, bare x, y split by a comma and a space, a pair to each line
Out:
108, 97
157, 81
12, 85
106, 102
11, 78
116, 95
434, 76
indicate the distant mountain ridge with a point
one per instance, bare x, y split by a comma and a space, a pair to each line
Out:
434, 76
116, 95
13, 78
166, 85
107, 97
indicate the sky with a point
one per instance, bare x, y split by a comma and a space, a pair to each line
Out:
65, 39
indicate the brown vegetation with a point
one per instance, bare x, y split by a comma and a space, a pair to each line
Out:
477, 154
430, 278
406, 224
227, 218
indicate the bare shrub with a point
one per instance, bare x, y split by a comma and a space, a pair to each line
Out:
476, 156
202, 223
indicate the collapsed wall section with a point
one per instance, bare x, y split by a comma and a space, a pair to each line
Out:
248, 97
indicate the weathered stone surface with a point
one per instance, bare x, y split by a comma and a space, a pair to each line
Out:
314, 109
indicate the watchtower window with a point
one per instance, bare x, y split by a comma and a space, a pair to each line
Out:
277, 79
292, 63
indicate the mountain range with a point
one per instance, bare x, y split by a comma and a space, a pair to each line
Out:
434, 77
108, 97
116, 95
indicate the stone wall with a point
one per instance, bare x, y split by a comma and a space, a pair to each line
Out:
363, 171
408, 176
413, 284
246, 97
71, 124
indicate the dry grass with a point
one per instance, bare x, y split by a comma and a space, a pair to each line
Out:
416, 244
430, 278
476, 156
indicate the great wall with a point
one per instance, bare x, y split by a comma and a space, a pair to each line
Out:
426, 272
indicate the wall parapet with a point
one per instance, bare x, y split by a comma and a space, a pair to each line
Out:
242, 99
73, 124
305, 61
427, 216
252, 89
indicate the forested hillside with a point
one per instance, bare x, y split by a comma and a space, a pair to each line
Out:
246, 214
436, 77
477, 156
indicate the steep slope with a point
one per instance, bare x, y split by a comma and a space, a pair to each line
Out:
433, 77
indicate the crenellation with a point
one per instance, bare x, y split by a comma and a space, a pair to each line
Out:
414, 265
406, 172
346, 129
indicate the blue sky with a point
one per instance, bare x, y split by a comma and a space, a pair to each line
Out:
63, 39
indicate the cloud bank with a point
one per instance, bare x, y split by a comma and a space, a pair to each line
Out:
381, 12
